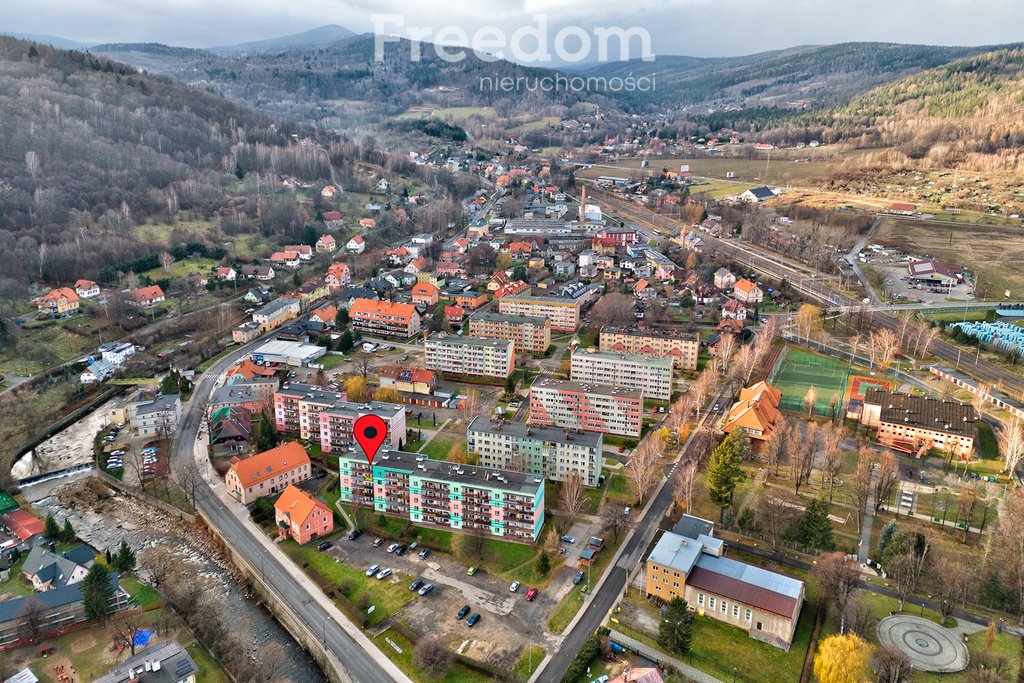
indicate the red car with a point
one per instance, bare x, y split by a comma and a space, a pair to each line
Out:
531, 594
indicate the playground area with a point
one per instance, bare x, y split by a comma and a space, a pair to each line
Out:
797, 370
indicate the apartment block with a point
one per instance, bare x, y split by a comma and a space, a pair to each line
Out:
458, 355
452, 496
563, 312
268, 473
384, 318
650, 374
327, 417
530, 334
551, 452
594, 408
681, 347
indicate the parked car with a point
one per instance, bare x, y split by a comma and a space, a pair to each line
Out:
462, 613
627, 510
471, 622
373, 570
356, 533
383, 574
424, 552
324, 546
401, 549
471, 571
577, 578
117, 452
414, 545
426, 589
415, 585
377, 542
568, 539
514, 587
393, 547
531, 594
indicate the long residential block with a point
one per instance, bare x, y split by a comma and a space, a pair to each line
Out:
563, 312
650, 374
276, 313
459, 355
551, 452
327, 418
453, 496
595, 408
384, 318
530, 334
268, 473
681, 347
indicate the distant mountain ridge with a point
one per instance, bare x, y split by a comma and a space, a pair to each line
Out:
55, 41
317, 37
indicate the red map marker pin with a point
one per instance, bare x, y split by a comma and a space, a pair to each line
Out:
370, 432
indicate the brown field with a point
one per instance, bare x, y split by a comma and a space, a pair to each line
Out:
993, 253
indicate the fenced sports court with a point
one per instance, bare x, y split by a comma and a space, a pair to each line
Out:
797, 370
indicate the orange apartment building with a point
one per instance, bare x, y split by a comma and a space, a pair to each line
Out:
267, 473
384, 318
682, 348
529, 334
302, 517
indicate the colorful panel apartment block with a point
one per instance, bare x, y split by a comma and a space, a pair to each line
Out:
650, 374
594, 408
680, 347
444, 495
529, 334
458, 355
326, 417
551, 452
563, 312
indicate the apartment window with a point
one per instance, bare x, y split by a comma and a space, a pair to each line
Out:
725, 607
711, 603
735, 611
747, 615
700, 599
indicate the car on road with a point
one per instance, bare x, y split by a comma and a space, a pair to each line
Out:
356, 533
405, 356
324, 546
471, 622
415, 585
622, 449
117, 452
514, 404
514, 587
377, 542
424, 552
393, 547
568, 539
577, 578
383, 574
462, 613
426, 589
373, 570
531, 594
717, 405
472, 570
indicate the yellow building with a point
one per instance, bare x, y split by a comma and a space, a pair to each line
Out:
58, 303
682, 348
530, 334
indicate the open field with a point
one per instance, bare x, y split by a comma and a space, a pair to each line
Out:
991, 253
446, 113
184, 267
536, 124
779, 172
801, 370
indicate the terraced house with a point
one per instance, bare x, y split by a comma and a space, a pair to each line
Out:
451, 496
550, 452
458, 355
649, 374
384, 318
681, 347
530, 334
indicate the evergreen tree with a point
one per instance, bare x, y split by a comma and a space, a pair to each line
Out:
110, 558
543, 563
97, 592
169, 384
816, 528
342, 317
345, 342
51, 532
124, 559
724, 470
676, 630
888, 531
67, 533
266, 435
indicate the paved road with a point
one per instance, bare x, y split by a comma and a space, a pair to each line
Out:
361, 665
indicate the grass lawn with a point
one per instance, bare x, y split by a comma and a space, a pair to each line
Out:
533, 654
618, 486
16, 586
988, 446
209, 670
438, 448
206, 364
145, 596
387, 643
182, 268
331, 360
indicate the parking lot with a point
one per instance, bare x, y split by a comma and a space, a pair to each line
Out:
897, 285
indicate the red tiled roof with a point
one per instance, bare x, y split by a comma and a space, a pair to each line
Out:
60, 292
148, 293
726, 586
267, 464
22, 524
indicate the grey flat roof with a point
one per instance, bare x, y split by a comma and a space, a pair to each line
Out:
275, 305
524, 431
638, 358
539, 299
456, 473
676, 552
510, 318
157, 404
278, 347
548, 382
462, 340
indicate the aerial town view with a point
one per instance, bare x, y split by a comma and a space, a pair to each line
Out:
578, 343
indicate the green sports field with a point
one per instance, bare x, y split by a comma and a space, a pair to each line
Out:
799, 370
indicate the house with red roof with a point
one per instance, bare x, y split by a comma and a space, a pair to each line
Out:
326, 244
417, 265
304, 251
328, 315
338, 276
746, 291
357, 245
301, 517
285, 259
87, 289
268, 473
332, 219
425, 293
225, 274
734, 310
454, 315
146, 297
58, 303
367, 223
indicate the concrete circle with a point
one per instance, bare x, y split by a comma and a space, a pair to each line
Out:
927, 645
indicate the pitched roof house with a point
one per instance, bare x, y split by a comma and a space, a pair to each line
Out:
302, 517
756, 412
87, 289
147, 296
58, 303
47, 570
268, 473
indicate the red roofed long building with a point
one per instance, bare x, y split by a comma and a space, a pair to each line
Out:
384, 318
756, 412
268, 473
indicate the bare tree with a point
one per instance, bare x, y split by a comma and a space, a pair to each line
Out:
32, 163
837, 578
955, 584
643, 469
32, 618
614, 521
166, 261
775, 446
801, 456
862, 483
433, 656
883, 346
888, 473
612, 309
891, 665
832, 461
1009, 545
746, 360
810, 398
686, 483
572, 498
966, 501
125, 629
776, 516
765, 338
161, 564
1011, 443
271, 660
980, 397
901, 569
189, 475
726, 347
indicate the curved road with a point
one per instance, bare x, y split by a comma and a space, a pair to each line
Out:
361, 665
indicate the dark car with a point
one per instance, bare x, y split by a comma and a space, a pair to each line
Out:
324, 546
356, 533
473, 619
462, 612
415, 585
576, 579
401, 550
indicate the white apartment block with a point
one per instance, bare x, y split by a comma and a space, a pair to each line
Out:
650, 374
459, 355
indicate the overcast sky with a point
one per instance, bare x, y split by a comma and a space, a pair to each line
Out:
689, 27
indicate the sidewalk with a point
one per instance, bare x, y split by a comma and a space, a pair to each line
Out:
271, 548
689, 672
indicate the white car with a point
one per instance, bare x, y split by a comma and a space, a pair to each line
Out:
373, 570
393, 547
514, 587
627, 511
383, 574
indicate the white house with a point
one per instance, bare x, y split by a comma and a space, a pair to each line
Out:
356, 245
87, 289
98, 372
116, 353
383, 185
226, 273
758, 194
724, 279
734, 310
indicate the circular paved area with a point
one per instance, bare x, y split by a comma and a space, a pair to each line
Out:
929, 646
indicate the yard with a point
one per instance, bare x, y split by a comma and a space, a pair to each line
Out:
438, 448
400, 651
